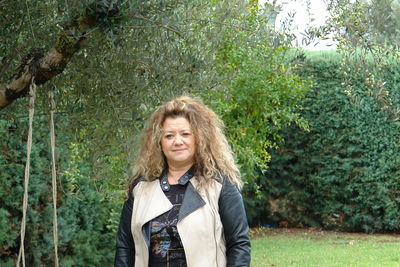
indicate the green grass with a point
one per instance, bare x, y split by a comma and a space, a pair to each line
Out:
285, 247
325, 55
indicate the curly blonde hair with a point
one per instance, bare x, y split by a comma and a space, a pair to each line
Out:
213, 157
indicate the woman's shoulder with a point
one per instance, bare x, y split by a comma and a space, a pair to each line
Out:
228, 186
133, 183
136, 181
224, 181
142, 183
220, 185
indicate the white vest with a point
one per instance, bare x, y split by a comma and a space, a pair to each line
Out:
200, 230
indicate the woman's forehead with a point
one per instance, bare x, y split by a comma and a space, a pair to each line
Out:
177, 123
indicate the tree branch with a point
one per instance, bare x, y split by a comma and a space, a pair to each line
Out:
157, 24
45, 65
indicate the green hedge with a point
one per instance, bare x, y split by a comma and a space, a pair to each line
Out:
83, 214
345, 172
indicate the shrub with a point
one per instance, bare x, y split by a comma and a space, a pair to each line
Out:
344, 173
83, 214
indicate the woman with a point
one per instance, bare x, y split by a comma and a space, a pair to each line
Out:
184, 207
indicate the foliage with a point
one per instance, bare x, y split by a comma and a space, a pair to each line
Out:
361, 27
220, 50
165, 49
372, 22
344, 173
259, 95
83, 213
350, 163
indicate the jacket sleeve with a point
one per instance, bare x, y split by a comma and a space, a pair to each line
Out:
234, 221
125, 247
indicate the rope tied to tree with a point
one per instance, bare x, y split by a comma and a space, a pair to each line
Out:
32, 94
53, 175
32, 97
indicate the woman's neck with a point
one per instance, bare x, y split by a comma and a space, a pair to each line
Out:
175, 172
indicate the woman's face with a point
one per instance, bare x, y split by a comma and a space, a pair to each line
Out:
177, 142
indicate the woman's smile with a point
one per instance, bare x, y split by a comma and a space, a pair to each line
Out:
178, 141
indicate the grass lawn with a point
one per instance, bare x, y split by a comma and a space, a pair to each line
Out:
295, 247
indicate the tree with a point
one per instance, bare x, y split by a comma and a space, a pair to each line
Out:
39, 65
261, 98
122, 68
134, 57
370, 26
344, 172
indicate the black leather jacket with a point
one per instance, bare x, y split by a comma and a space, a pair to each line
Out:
231, 211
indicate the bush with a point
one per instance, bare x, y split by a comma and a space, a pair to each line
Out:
83, 214
344, 173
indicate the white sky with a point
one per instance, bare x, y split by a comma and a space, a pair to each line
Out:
302, 18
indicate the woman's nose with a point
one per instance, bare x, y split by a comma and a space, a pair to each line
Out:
178, 140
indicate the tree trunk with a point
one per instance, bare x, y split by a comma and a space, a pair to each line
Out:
44, 65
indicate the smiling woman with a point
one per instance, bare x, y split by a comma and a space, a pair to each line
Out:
178, 146
184, 207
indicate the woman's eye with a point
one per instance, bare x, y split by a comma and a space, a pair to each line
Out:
186, 134
169, 136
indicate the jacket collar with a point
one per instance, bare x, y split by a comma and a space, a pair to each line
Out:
165, 186
192, 200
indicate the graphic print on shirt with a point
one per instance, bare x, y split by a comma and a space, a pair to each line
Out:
166, 246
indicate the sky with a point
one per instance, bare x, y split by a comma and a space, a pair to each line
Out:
316, 16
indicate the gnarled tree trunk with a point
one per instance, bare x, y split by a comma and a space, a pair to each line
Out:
44, 65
